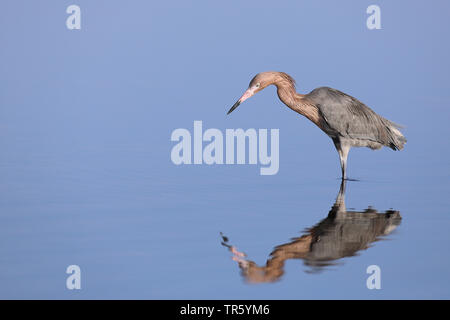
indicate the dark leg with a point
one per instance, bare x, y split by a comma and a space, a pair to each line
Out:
342, 149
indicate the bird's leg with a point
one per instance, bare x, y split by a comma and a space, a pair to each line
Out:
343, 165
343, 155
342, 149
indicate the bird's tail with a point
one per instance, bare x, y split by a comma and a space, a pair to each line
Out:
397, 139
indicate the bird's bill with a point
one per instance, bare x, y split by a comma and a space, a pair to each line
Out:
247, 94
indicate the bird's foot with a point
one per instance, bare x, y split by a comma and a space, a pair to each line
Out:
349, 179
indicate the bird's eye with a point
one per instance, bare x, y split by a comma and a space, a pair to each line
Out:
257, 85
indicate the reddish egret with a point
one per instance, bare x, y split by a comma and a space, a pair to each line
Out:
346, 120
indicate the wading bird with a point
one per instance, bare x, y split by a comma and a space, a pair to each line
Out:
346, 120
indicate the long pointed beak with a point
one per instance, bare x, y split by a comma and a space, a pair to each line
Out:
234, 106
247, 94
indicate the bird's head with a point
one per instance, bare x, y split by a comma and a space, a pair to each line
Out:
261, 81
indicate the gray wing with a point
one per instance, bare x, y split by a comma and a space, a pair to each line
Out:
348, 117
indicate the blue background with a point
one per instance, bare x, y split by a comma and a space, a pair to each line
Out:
85, 122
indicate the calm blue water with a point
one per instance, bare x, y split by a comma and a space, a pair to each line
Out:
86, 176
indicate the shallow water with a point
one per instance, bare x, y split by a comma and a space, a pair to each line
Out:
87, 178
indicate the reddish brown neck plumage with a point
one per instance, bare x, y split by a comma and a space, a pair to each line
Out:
295, 101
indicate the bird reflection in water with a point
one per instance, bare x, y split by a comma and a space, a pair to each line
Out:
341, 234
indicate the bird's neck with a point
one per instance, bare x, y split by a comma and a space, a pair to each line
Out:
297, 102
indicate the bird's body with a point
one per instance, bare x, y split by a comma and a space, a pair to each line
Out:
346, 120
